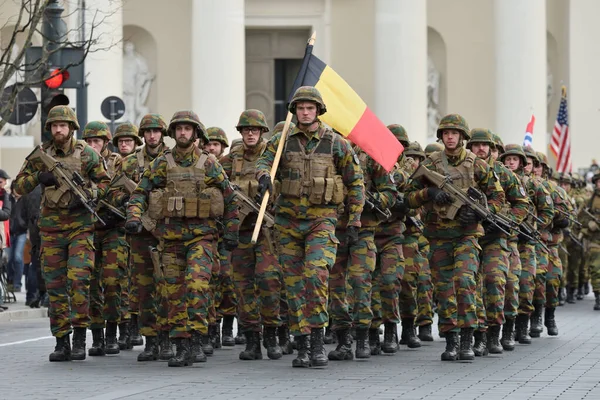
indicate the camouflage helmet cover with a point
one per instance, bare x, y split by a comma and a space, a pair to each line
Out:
595, 177
564, 178
127, 129
217, 134
454, 121
515, 150
498, 143
307, 93
150, 121
96, 129
400, 133
543, 159
254, 118
529, 152
279, 127
433, 147
61, 114
479, 135
414, 149
191, 118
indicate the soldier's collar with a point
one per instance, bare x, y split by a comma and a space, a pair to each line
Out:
317, 133
68, 148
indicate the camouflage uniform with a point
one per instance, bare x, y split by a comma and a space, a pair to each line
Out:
591, 233
573, 277
126, 130
67, 234
454, 248
306, 216
187, 189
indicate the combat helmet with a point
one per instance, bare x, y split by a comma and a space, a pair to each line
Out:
433, 147
479, 135
454, 121
414, 149
307, 93
400, 134
498, 143
543, 158
565, 178
529, 152
188, 117
252, 118
595, 177
217, 134
279, 127
150, 121
61, 114
96, 129
514, 150
127, 129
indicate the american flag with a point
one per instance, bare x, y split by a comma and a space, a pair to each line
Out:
560, 144
528, 140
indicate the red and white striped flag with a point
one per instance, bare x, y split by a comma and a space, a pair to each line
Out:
528, 140
560, 144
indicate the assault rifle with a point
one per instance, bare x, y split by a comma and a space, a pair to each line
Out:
470, 198
74, 183
529, 232
573, 238
382, 213
112, 209
592, 216
248, 206
120, 181
568, 216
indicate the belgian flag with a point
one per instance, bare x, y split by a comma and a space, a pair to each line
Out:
347, 113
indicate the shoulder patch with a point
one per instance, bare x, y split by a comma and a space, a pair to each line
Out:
548, 199
522, 191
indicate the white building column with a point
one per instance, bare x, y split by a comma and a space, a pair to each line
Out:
401, 65
520, 42
584, 78
218, 62
104, 68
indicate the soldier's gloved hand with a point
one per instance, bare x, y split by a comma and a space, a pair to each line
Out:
467, 216
133, 227
230, 244
560, 223
490, 228
438, 196
401, 207
264, 185
47, 179
124, 200
592, 226
352, 235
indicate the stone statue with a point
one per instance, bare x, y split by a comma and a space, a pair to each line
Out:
433, 98
137, 80
549, 85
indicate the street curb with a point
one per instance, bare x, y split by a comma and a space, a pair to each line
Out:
30, 313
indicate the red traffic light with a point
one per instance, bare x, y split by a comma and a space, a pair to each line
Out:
57, 78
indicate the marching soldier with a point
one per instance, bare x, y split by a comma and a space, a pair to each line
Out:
590, 218
126, 139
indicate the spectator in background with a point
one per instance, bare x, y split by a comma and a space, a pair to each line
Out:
36, 287
5, 207
18, 237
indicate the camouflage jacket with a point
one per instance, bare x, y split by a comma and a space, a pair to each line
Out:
395, 226
593, 207
540, 201
186, 229
561, 202
346, 166
59, 219
131, 164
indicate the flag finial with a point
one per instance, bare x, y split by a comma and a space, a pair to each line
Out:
563, 91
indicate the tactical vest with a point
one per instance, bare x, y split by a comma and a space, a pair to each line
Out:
311, 174
111, 163
462, 176
595, 204
141, 161
363, 160
61, 196
186, 194
243, 171
529, 186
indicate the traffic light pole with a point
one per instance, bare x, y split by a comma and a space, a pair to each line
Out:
82, 91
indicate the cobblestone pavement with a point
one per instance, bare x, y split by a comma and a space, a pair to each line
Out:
563, 367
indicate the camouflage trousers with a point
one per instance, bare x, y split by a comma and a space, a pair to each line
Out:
409, 282
491, 282
511, 298
573, 268
257, 278
353, 265
67, 258
454, 263
389, 269
306, 253
593, 260
225, 298
553, 277
542, 266
424, 285
133, 301
527, 278
213, 285
109, 281
152, 306
187, 268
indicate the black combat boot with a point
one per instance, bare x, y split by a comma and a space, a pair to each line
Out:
408, 334
586, 288
362, 345
390, 338
318, 358
508, 334
493, 340
562, 295
480, 346
124, 340
285, 343
98, 347
207, 346
343, 351
62, 350
240, 338
274, 351
466, 345
451, 352
150, 352
165, 346
303, 358
329, 335
252, 350
227, 331
78, 352
550, 321
597, 304
425, 333
374, 342
536, 322
215, 335
522, 329
196, 347
183, 357
571, 295
134, 332
580, 292
112, 347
